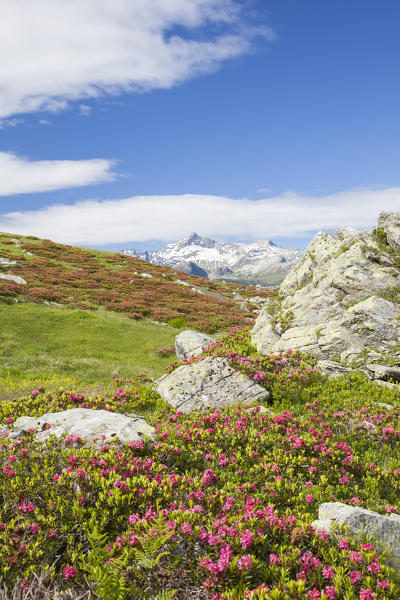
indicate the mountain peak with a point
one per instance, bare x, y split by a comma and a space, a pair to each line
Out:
194, 239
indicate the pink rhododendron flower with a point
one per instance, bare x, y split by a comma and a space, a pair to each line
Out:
367, 594
328, 572
274, 559
69, 572
355, 576
246, 539
244, 562
186, 528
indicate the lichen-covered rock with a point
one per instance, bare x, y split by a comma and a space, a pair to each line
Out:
14, 278
390, 223
95, 426
362, 522
190, 343
383, 372
209, 382
332, 369
339, 302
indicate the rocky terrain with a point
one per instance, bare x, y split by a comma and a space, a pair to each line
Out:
341, 302
261, 262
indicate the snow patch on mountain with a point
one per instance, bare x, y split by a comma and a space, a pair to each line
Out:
261, 262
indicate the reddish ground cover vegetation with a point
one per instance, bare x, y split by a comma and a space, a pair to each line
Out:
90, 279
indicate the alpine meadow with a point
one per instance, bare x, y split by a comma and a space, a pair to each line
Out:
211, 415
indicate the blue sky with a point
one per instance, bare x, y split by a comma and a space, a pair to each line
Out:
238, 120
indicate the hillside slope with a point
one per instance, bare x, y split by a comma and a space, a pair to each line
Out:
88, 279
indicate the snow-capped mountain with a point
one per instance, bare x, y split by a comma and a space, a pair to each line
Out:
261, 262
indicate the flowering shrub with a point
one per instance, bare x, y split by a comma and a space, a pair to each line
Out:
219, 507
286, 373
165, 351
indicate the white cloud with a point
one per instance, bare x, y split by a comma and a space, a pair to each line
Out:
5, 123
169, 218
85, 110
22, 176
54, 51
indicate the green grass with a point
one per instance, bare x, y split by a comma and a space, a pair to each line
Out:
86, 346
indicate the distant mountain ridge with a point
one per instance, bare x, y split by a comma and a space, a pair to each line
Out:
261, 262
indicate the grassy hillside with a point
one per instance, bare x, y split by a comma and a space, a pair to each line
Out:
86, 346
89, 279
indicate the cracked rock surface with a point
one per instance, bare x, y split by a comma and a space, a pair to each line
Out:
210, 382
342, 299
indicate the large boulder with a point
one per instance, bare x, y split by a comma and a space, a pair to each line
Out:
190, 343
340, 301
361, 522
95, 426
209, 382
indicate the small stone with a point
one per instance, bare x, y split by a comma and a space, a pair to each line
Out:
332, 368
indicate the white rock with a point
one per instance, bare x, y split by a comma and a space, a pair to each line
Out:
362, 522
384, 372
190, 343
146, 275
14, 278
7, 262
85, 423
332, 368
259, 409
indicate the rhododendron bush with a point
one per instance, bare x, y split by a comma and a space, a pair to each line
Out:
220, 506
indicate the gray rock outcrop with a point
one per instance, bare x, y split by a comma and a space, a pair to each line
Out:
389, 222
95, 426
383, 372
384, 530
190, 343
209, 382
339, 302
